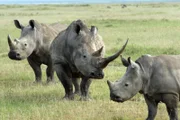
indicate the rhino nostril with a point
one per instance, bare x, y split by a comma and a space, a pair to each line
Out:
18, 55
92, 74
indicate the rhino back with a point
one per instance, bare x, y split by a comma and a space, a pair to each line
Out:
56, 48
49, 33
58, 27
162, 73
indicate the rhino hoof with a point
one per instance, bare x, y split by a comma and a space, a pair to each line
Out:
71, 97
49, 82
84, 98
37, 82
77, 93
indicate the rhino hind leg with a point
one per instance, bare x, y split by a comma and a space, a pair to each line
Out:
50, 74
66, 81
85, 83
171, 101
152, 107
173, 113
37, 70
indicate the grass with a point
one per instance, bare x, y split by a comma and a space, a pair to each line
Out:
151, 29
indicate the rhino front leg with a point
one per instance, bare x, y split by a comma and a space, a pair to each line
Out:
66, 80
171, 101
76, 85
85, 83
152, 107
37, 70
50, 74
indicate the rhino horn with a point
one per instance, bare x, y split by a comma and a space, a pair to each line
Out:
16, 40
109, 84
105, 61
98, 52
94, 30
10, 42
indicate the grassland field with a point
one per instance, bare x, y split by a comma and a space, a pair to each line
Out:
151, 28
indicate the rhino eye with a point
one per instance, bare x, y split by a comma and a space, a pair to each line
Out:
84, 56
126, 84
25, 44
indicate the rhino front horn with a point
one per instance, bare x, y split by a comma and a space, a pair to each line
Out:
11, 44
105, 61
109, 84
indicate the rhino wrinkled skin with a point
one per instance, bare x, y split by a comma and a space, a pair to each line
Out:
34, 44
156, 77
77, 52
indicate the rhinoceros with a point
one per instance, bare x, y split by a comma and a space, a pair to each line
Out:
77, 52
156, 77
34, 44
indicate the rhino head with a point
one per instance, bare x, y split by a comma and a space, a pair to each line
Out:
129, 85
88, 61
24, 46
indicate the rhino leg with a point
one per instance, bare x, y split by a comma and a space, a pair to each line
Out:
66, 80
171, 101
37, 70
50, 74
85, 83
76, 85
152, 107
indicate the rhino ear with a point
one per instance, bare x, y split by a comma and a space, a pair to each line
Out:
32, 23
94, 30
17, 24
77, 29
98, 52
129, 60
132, 63
124, 61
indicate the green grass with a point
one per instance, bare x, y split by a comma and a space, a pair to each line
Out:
151, 28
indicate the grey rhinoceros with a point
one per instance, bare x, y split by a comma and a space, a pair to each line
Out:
34, 44
156, 77
77, 52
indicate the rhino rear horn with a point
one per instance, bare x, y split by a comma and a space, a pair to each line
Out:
105, 61
98, 52
18, 25
94, 30
10, 42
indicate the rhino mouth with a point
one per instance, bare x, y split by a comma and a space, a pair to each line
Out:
116, 98
96, 75
14, 56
